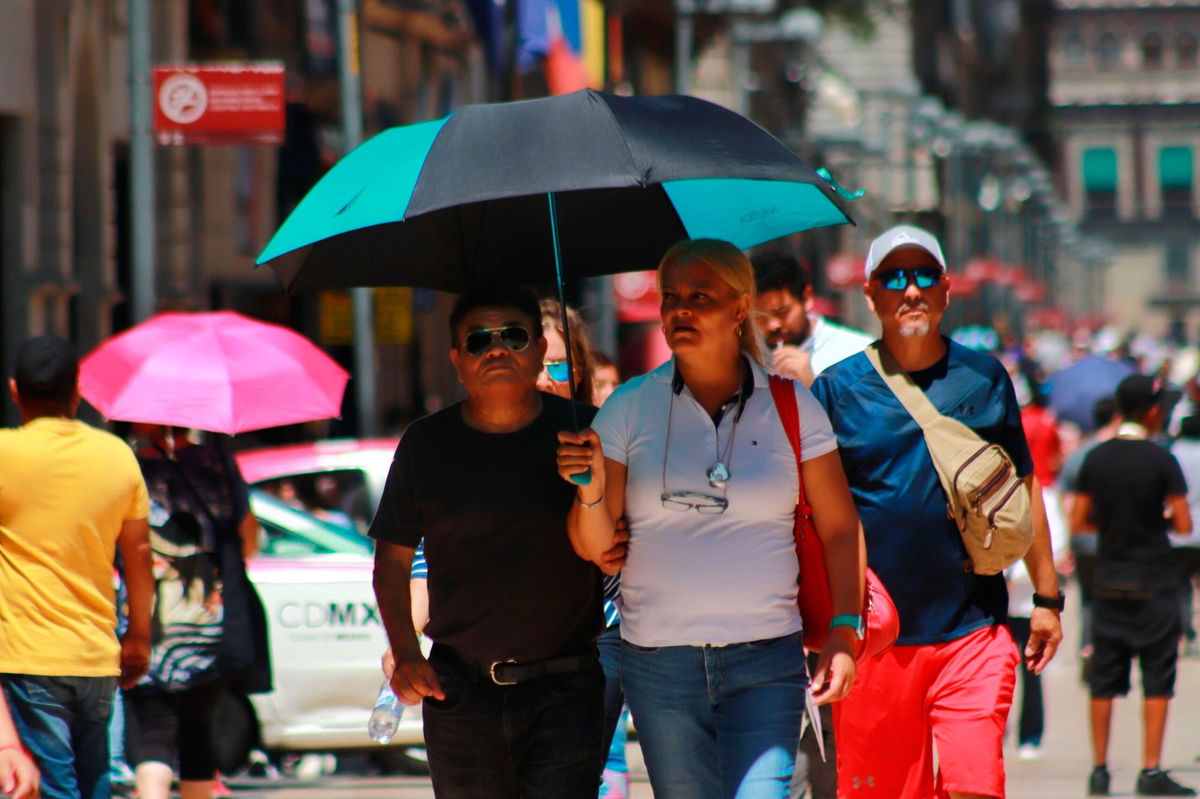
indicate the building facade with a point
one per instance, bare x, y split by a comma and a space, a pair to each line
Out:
1125, 85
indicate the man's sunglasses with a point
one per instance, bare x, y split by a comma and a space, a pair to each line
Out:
514, 337
898, 279
557, 370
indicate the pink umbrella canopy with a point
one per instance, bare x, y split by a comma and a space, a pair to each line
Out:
219, 371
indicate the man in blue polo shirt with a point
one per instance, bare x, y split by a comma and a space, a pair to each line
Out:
949, 680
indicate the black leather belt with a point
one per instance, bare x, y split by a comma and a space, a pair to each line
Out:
512, 672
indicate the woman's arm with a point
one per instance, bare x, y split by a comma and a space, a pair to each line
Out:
836, 520
592, 530
19, 776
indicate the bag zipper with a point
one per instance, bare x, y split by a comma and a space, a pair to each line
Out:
967, 463
995, 481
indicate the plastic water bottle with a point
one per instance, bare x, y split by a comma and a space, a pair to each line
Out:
385, 716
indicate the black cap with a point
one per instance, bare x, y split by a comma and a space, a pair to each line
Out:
46, 369
1137, 394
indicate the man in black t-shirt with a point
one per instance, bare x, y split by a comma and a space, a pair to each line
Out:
512, 688
1125, 484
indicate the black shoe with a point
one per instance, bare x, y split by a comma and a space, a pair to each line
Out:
1156, 782
1098, 781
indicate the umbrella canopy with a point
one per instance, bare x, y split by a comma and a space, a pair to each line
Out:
1075, 390
219, 371
453, 202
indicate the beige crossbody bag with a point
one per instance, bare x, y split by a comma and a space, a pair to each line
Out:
986, 497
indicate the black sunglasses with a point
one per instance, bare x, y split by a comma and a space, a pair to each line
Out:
898, 279
514, 337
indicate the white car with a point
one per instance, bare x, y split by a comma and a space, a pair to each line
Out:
326, 639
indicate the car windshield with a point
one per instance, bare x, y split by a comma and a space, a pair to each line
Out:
291, 532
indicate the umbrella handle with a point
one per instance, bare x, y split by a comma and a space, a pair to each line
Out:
585, 477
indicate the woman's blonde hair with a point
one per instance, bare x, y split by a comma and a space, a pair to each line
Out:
733, 268
581, 348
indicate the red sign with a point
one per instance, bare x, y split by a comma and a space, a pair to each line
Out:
637, 296
844, 270
235, 103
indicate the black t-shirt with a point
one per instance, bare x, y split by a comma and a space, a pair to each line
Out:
1129, 481
504, 581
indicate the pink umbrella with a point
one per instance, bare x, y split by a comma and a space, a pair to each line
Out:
218, 371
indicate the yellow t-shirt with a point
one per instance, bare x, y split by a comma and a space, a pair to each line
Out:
65, 490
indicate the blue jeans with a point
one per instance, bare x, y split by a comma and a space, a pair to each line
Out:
717, 722
64, 723
539, 739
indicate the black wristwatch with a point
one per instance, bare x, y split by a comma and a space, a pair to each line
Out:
1057, 603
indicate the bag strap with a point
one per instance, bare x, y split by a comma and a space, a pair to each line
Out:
783, 391
901, 383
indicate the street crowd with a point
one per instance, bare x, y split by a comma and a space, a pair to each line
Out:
578, 549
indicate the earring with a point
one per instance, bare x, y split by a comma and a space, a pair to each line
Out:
739, 329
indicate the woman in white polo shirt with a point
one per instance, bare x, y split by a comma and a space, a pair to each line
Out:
695, 457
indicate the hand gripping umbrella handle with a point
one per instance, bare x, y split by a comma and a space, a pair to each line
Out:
584, 477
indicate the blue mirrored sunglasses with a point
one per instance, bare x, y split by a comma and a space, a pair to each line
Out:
898, 279
557, 370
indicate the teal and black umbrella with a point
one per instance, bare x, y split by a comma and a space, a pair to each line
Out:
512, 191
477, 196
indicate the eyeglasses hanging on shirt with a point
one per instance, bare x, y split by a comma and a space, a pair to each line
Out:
718, 474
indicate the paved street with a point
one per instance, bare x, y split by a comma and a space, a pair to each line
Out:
1060, 773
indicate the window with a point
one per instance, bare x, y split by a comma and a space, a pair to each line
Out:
1108, 52
1152, 52
1175, 181
1185, 51
1100, 183
1074, 51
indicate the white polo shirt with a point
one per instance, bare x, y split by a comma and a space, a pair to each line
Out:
693, 579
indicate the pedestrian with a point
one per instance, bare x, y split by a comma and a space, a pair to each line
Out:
70, 497
690, 454
512, 689
1128, 482
19, 776
800, 342
1186, 450
614, 778
202, 531
948, 682
1106, 421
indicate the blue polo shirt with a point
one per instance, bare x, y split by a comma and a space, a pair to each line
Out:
912, 544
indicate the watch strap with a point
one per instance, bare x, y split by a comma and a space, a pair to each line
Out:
1052, 603
851, 620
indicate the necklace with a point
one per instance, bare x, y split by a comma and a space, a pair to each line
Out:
718, 473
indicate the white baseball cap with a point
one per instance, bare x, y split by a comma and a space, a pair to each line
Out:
903, 236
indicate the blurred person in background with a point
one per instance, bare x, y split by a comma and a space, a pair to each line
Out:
202, 531
1187, 547
1137, 491
614, 782
801, 344
605, 377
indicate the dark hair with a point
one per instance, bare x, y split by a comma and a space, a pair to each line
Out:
581, 348
600, 360
1104, 410
46, 370
496, 296
775, 271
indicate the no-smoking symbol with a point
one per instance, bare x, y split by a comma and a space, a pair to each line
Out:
182, 98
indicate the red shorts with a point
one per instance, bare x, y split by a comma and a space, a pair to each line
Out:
956, 694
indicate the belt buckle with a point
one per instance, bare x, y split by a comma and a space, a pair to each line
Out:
492, 671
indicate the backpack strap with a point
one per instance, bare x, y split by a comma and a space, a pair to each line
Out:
901, 383
783, 391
